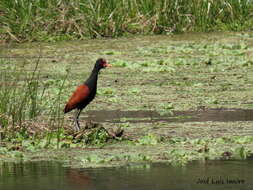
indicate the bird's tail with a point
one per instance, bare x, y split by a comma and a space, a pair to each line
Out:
67, 109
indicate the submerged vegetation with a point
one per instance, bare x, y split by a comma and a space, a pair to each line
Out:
167, 76
51, 20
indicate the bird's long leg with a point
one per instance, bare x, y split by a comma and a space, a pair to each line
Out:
77, 126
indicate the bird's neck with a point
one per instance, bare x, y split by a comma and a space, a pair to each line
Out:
91, 82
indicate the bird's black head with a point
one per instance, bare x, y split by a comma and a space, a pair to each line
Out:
101, 64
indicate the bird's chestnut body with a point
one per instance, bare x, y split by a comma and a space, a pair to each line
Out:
79, 99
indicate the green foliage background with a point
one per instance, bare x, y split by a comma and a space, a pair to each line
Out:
51, 20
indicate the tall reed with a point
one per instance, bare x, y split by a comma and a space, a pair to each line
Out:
47, 20
23, 98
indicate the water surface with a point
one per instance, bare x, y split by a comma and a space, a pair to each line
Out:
222, 115
53, 176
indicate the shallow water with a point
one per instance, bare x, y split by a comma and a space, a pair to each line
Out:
53, 176
223, 115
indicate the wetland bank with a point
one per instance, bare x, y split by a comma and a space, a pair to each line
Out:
177, 78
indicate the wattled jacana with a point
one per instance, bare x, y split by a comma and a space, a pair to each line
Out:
86, 92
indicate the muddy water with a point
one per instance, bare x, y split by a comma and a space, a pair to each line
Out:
224, 115
52, 176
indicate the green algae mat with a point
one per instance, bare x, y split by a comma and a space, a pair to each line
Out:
154, 94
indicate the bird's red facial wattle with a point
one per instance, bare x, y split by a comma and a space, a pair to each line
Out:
105, 64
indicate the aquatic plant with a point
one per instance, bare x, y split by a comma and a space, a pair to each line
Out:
149, 139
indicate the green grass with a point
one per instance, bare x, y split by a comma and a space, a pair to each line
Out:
51, 20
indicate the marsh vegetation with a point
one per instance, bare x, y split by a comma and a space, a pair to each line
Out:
57, 20
179, 73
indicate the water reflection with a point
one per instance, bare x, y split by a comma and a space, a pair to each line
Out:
53, 176
77, 179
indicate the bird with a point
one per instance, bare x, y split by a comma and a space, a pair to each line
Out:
85, 92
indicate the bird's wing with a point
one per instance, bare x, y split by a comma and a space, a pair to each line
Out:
79, 95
